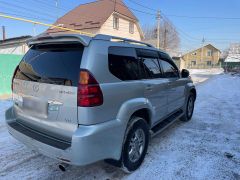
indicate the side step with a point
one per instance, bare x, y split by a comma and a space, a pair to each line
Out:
165, 123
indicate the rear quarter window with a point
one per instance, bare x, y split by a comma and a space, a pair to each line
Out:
54, 64
149, 59
123, 64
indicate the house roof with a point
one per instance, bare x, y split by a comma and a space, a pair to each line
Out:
201, 48
233, 58
92, 15
15, 40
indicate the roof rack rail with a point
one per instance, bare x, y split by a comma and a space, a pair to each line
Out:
119, 39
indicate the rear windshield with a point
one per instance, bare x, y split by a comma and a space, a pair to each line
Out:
54, 64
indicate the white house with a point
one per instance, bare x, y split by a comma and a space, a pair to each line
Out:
111, 17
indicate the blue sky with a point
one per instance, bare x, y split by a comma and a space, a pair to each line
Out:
219, 32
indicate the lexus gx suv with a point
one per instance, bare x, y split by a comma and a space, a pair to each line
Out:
81, 99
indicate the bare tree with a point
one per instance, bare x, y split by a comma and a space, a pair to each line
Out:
225, 53
169, 37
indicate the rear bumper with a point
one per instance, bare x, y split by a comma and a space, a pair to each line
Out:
88, 145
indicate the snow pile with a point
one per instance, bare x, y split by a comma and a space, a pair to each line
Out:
208, 147
201, 75
234, 53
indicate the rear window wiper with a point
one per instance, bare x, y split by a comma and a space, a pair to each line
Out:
29, 76
58, 81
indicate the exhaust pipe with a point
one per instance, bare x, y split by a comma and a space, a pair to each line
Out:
63, 167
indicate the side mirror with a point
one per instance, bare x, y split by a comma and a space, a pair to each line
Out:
185, 73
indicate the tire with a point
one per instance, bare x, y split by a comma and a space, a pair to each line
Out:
135, 144
189, 110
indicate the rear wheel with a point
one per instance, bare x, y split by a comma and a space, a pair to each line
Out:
189, 108
135, 144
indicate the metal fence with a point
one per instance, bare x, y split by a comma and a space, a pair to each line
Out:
8, 63
232, 68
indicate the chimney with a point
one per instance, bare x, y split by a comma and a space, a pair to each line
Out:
3, 33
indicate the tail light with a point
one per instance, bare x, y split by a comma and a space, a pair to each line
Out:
15, 72
89, 91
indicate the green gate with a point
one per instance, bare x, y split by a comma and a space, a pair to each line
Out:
8, 63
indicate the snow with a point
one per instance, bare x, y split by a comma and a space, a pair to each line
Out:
234, 53
233, 58
201, 75
194, 150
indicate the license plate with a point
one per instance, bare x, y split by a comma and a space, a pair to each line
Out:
35, 105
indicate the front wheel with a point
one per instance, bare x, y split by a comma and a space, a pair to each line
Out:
135, 145
189, 108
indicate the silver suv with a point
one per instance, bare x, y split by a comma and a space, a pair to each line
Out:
82, 99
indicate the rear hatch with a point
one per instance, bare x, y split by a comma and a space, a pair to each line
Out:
45, 89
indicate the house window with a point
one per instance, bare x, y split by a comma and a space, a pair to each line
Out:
193, 63
115, 23
131, 27
194, 54
209, 63
209, 53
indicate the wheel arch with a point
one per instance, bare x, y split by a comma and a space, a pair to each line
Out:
140, 107
143, 113
193, 90
135, 107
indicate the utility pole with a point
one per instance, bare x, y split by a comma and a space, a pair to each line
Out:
158, 29
203, 41
165, 39
3, 33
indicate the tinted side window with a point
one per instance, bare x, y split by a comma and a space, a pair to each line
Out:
168, 69
123, 63
149, 60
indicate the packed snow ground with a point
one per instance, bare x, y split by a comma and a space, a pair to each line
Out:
207, 147
201, 75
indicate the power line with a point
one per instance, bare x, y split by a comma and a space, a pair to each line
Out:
30, 10
164, 18
180, 30
186, 16
51, 5
144, 12
12, 11
44, 24
23, 16
183, 33
204, 17
146, 7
